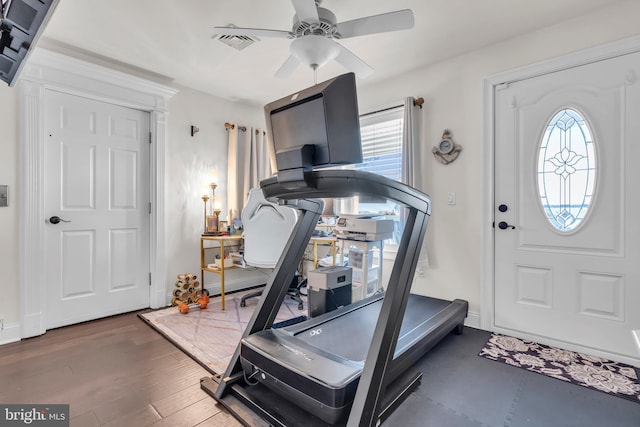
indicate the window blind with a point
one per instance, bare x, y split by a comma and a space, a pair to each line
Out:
382, 144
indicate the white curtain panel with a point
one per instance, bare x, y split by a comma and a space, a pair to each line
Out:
411, 157
411, 143
250, 160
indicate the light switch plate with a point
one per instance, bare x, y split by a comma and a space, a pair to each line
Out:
4, 195
451, 198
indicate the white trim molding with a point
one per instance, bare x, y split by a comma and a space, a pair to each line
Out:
51, 70
491, 84
9, 333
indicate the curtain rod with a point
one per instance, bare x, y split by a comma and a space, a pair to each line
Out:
416, 102
230, 126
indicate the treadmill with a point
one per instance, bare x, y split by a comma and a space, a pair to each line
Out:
351, 366
317, 363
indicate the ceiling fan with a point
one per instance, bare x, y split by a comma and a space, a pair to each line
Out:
315, 31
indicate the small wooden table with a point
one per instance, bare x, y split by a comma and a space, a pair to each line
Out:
221, 240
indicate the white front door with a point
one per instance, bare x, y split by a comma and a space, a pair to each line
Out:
567, 235
96, 178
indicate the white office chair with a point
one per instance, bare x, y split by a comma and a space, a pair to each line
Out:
267, 227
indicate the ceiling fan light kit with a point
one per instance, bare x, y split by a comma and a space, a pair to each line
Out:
315, 32
315, 51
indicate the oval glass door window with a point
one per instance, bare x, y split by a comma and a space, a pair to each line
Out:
566, 170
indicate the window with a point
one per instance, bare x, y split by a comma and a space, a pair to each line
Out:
566, 170
382, 143
381, 135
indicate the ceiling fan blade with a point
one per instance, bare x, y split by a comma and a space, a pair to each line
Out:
351, 62
391, 21
257, 32
306, 10
288, 67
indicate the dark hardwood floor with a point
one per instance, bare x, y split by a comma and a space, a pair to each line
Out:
120, 372
112, 372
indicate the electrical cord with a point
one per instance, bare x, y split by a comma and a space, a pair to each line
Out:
303, 284
247, 379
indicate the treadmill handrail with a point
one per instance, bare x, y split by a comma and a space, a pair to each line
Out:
348, 183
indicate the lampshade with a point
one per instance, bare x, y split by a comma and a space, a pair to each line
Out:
313, 50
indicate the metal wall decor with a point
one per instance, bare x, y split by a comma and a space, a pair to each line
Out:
447, 150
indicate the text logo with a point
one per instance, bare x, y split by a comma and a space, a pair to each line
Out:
34, 415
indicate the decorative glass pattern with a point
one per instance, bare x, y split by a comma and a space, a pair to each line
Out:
566, 170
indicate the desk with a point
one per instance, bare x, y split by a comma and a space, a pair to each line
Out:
323, 240
221, 240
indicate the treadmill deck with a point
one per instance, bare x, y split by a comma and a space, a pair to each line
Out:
317, 363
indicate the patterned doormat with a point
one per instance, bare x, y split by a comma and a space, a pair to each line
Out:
614, 378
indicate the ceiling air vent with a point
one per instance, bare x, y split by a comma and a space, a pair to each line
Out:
237, 42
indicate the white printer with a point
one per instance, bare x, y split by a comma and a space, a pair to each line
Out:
363, 227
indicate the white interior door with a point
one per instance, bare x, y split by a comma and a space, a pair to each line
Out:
97, 179
566, 146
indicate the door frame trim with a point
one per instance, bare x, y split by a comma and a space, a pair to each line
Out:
491, 83
51, 70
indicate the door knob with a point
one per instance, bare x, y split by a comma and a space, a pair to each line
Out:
57, 220
502, 225
503, 208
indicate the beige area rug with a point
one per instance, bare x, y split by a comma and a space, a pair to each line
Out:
210, 336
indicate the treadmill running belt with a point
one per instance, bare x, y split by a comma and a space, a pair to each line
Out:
350, 336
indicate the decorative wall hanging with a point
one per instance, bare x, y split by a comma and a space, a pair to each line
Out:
447, 150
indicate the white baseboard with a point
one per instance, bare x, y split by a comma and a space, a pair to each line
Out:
233, 286
10, 333
473, 320
235, 280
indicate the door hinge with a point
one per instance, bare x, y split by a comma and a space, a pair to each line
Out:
149, 208
149, 278
150, 137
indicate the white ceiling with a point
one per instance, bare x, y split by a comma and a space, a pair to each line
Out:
172, 39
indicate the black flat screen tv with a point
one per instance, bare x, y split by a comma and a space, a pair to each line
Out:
314, 128
21, 24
